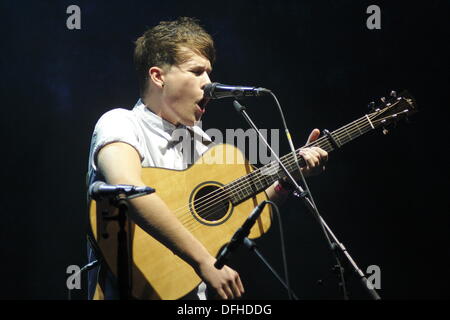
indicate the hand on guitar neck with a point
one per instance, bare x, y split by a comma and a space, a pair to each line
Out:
315, 160
315, 157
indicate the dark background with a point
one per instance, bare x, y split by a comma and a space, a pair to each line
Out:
385, 197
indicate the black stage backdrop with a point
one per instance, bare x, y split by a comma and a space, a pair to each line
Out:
385, 197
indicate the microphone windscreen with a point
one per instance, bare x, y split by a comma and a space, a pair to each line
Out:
209, 90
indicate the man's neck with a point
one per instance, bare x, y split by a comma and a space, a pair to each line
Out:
152, 105
155, 105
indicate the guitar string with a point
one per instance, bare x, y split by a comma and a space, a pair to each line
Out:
226, 204
292, 161
207, 214
211, 210
346, 131
214, 207
239, 185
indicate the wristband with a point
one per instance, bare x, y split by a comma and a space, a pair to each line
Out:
285, 184
280, 189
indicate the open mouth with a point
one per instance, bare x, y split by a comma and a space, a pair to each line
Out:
202, 103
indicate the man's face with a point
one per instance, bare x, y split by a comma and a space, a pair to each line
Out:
183, 90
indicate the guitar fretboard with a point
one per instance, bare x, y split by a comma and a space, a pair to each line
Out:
259, 180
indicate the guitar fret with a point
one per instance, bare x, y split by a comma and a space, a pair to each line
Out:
258, 180
292, 166
328, 147
348, 135
359, 129
370, 122
266, 182
258, 183
235, 192
252, 184
241, 191
339, 141
246, 192
231, 195
323, 144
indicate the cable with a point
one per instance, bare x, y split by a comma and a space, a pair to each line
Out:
291, 145
87, 267
332, 245
283, 248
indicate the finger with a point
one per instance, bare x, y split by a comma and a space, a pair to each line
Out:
322, 154
228, 291
221, 294
237, 292
314, 153
240, 285
311, 160
313, 135
305, 157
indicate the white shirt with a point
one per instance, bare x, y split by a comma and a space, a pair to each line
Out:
157, 143
155, 139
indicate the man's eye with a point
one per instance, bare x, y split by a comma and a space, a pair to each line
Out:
197, 72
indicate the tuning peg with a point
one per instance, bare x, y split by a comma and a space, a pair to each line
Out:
385, 131
371, 105
394, 94
383, 99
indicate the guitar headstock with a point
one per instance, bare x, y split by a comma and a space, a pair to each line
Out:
391, 110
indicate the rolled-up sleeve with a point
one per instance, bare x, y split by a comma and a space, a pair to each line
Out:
117, 125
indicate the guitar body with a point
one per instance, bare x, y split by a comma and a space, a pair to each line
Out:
156, 273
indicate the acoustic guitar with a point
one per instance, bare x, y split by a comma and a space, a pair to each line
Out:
212, 198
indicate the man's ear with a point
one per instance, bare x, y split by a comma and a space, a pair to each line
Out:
156, 76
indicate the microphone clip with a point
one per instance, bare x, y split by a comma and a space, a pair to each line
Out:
100, 190
239, 235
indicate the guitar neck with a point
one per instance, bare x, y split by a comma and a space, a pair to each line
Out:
260, 179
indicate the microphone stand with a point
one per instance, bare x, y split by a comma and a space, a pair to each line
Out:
251, 245
334, 245
123, 255
241, 237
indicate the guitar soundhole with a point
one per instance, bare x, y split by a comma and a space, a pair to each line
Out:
211, 204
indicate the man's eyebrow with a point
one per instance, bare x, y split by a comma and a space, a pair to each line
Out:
195, 65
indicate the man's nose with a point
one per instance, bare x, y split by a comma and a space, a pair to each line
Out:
206, 80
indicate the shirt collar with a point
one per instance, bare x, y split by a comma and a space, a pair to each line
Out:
165, 128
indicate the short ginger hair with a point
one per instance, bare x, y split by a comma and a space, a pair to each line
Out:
161, 46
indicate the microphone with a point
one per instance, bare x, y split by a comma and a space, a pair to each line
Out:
239, 235
217, 90
100, 189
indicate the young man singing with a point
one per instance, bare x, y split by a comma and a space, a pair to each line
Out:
174, 61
